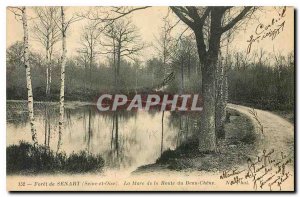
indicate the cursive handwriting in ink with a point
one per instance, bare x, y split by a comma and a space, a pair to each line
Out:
267, 170
270, 30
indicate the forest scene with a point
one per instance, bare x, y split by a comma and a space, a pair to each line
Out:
59, 60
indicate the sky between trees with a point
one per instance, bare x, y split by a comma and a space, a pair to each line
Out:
149, 22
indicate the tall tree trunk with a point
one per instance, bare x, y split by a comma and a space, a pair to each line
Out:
207, 135
89, 131
85, 75
222, 93
164, 59
90, 65
220, 105
180, 130
181, 77
62, 79
114, 64
46, 124
28, 77
117, 133
47, 71
112, 132
189, 65
50, 71
162, 133
48, 74
187, 126
49, 127
152, 77
136, 79
118, 65
208, 54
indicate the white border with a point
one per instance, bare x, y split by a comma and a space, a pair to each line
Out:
150, 2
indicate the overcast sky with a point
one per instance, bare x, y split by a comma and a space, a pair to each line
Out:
149, 22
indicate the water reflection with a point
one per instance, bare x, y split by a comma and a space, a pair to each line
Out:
125, 139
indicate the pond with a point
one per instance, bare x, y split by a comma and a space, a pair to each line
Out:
126, 140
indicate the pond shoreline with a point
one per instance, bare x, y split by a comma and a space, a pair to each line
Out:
187, 157
67, 103
124, 139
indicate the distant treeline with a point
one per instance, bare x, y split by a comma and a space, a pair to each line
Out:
263, 82
85, 82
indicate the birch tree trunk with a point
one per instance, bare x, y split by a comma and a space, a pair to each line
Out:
47, 72
50, 73
46, 31
62, 80
28, 77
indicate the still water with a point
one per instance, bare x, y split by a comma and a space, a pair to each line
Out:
126, 140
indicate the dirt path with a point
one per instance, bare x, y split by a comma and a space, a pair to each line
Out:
278, 133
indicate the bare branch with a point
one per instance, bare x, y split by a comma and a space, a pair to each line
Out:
238, 18
179, 11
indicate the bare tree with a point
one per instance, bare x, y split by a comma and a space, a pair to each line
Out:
136, 66
83, 59
90, 43
20, 13
182, 58
208, 25
47, 33
63, 24
222, 88
208, 21
62, 78
124, 41
164, 45
261, 56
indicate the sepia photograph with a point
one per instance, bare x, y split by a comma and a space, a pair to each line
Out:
150, 98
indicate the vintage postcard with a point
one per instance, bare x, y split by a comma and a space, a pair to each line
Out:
178, 98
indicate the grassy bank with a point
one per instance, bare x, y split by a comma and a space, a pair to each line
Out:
235, 149
24, 158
